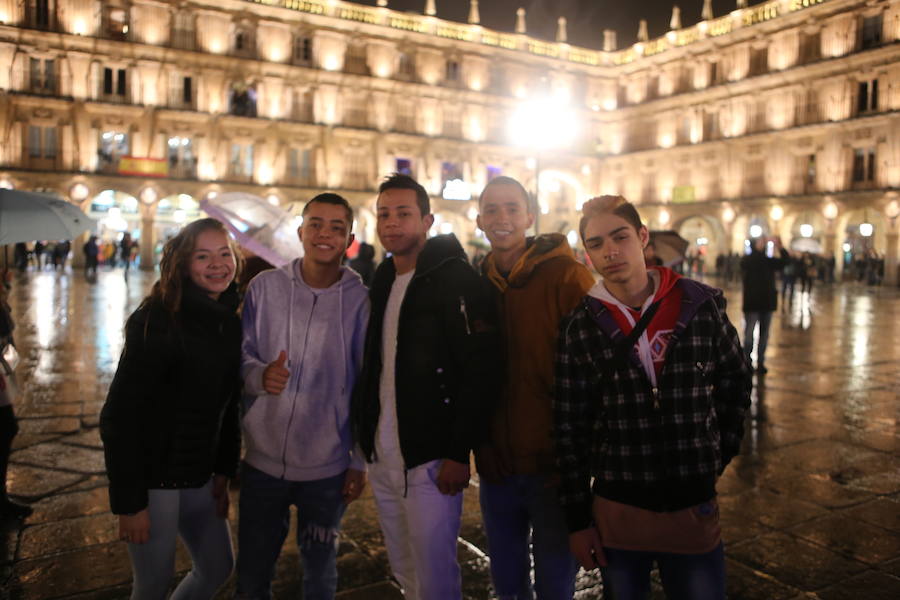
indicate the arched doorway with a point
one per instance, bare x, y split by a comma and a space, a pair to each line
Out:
705, 243
862, 236
116, 213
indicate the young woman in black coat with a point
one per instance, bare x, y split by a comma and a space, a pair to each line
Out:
170, 425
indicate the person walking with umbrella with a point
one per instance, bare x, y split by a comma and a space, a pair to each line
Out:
170, 429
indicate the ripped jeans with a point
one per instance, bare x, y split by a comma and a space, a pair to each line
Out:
264, 518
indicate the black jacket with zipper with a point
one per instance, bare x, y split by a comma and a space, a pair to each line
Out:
447, 375
171, 416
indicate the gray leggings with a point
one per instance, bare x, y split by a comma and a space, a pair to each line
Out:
190, 514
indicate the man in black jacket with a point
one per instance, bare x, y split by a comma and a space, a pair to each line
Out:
760, 296
422, 401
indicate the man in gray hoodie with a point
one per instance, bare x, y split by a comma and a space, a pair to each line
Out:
304, 327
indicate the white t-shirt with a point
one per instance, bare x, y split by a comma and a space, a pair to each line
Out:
387, 439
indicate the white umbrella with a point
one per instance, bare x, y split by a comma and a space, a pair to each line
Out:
270, 232
29, 216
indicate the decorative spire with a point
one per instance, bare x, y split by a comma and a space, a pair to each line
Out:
706, 14
561, 30
642, 31
520, 21
474, 17
609, 40
430, 10
675, 23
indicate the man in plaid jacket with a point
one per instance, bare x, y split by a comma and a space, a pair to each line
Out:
651, 391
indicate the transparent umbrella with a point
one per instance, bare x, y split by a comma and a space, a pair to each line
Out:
266, 230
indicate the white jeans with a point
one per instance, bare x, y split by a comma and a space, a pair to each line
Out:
420, 530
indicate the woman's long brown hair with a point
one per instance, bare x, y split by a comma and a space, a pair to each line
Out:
176, 255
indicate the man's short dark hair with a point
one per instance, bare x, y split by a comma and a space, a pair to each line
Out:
504, 180
398, 181
333, 199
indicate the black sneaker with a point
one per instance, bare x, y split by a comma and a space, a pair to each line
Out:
10, 509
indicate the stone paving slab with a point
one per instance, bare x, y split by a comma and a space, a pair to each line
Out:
809, 509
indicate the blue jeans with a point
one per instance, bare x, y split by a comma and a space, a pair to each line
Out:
190, 514
751, 318
264, 519
684, 576
525, 508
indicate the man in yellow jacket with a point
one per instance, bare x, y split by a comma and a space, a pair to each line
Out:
536, 282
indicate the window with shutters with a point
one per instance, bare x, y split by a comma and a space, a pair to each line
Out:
300, 167
115, 85
42, 141
871, 31
867, 96
42, 76
240, 163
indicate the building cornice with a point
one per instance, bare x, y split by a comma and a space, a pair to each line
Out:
434, 29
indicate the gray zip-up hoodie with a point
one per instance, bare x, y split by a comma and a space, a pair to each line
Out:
303, 434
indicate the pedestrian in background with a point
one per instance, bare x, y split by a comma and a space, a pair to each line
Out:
760, 296
792, 267
364, 263
169, 426
423, 400
808, 272
651, 393
91, 254
9, 508
304, 326
535, 282
125, 251
38, 254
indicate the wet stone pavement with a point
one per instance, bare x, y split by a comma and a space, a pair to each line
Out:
811, 508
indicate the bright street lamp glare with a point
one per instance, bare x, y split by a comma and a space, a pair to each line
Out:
543, 123
866, 229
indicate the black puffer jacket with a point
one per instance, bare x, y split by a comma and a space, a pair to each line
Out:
447, 374
171, 416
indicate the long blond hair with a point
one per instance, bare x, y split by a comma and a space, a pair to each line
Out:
176, 255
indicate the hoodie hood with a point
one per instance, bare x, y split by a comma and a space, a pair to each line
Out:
663, 279
539, 249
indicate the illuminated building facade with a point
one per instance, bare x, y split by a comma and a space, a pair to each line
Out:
778, 115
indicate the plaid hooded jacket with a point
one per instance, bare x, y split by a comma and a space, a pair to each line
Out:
656, 448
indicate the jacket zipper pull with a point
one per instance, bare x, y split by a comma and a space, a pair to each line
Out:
654, 391
462, 311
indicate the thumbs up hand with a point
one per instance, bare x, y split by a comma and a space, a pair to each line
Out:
276, 375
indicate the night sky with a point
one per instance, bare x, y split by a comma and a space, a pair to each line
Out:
586, 18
